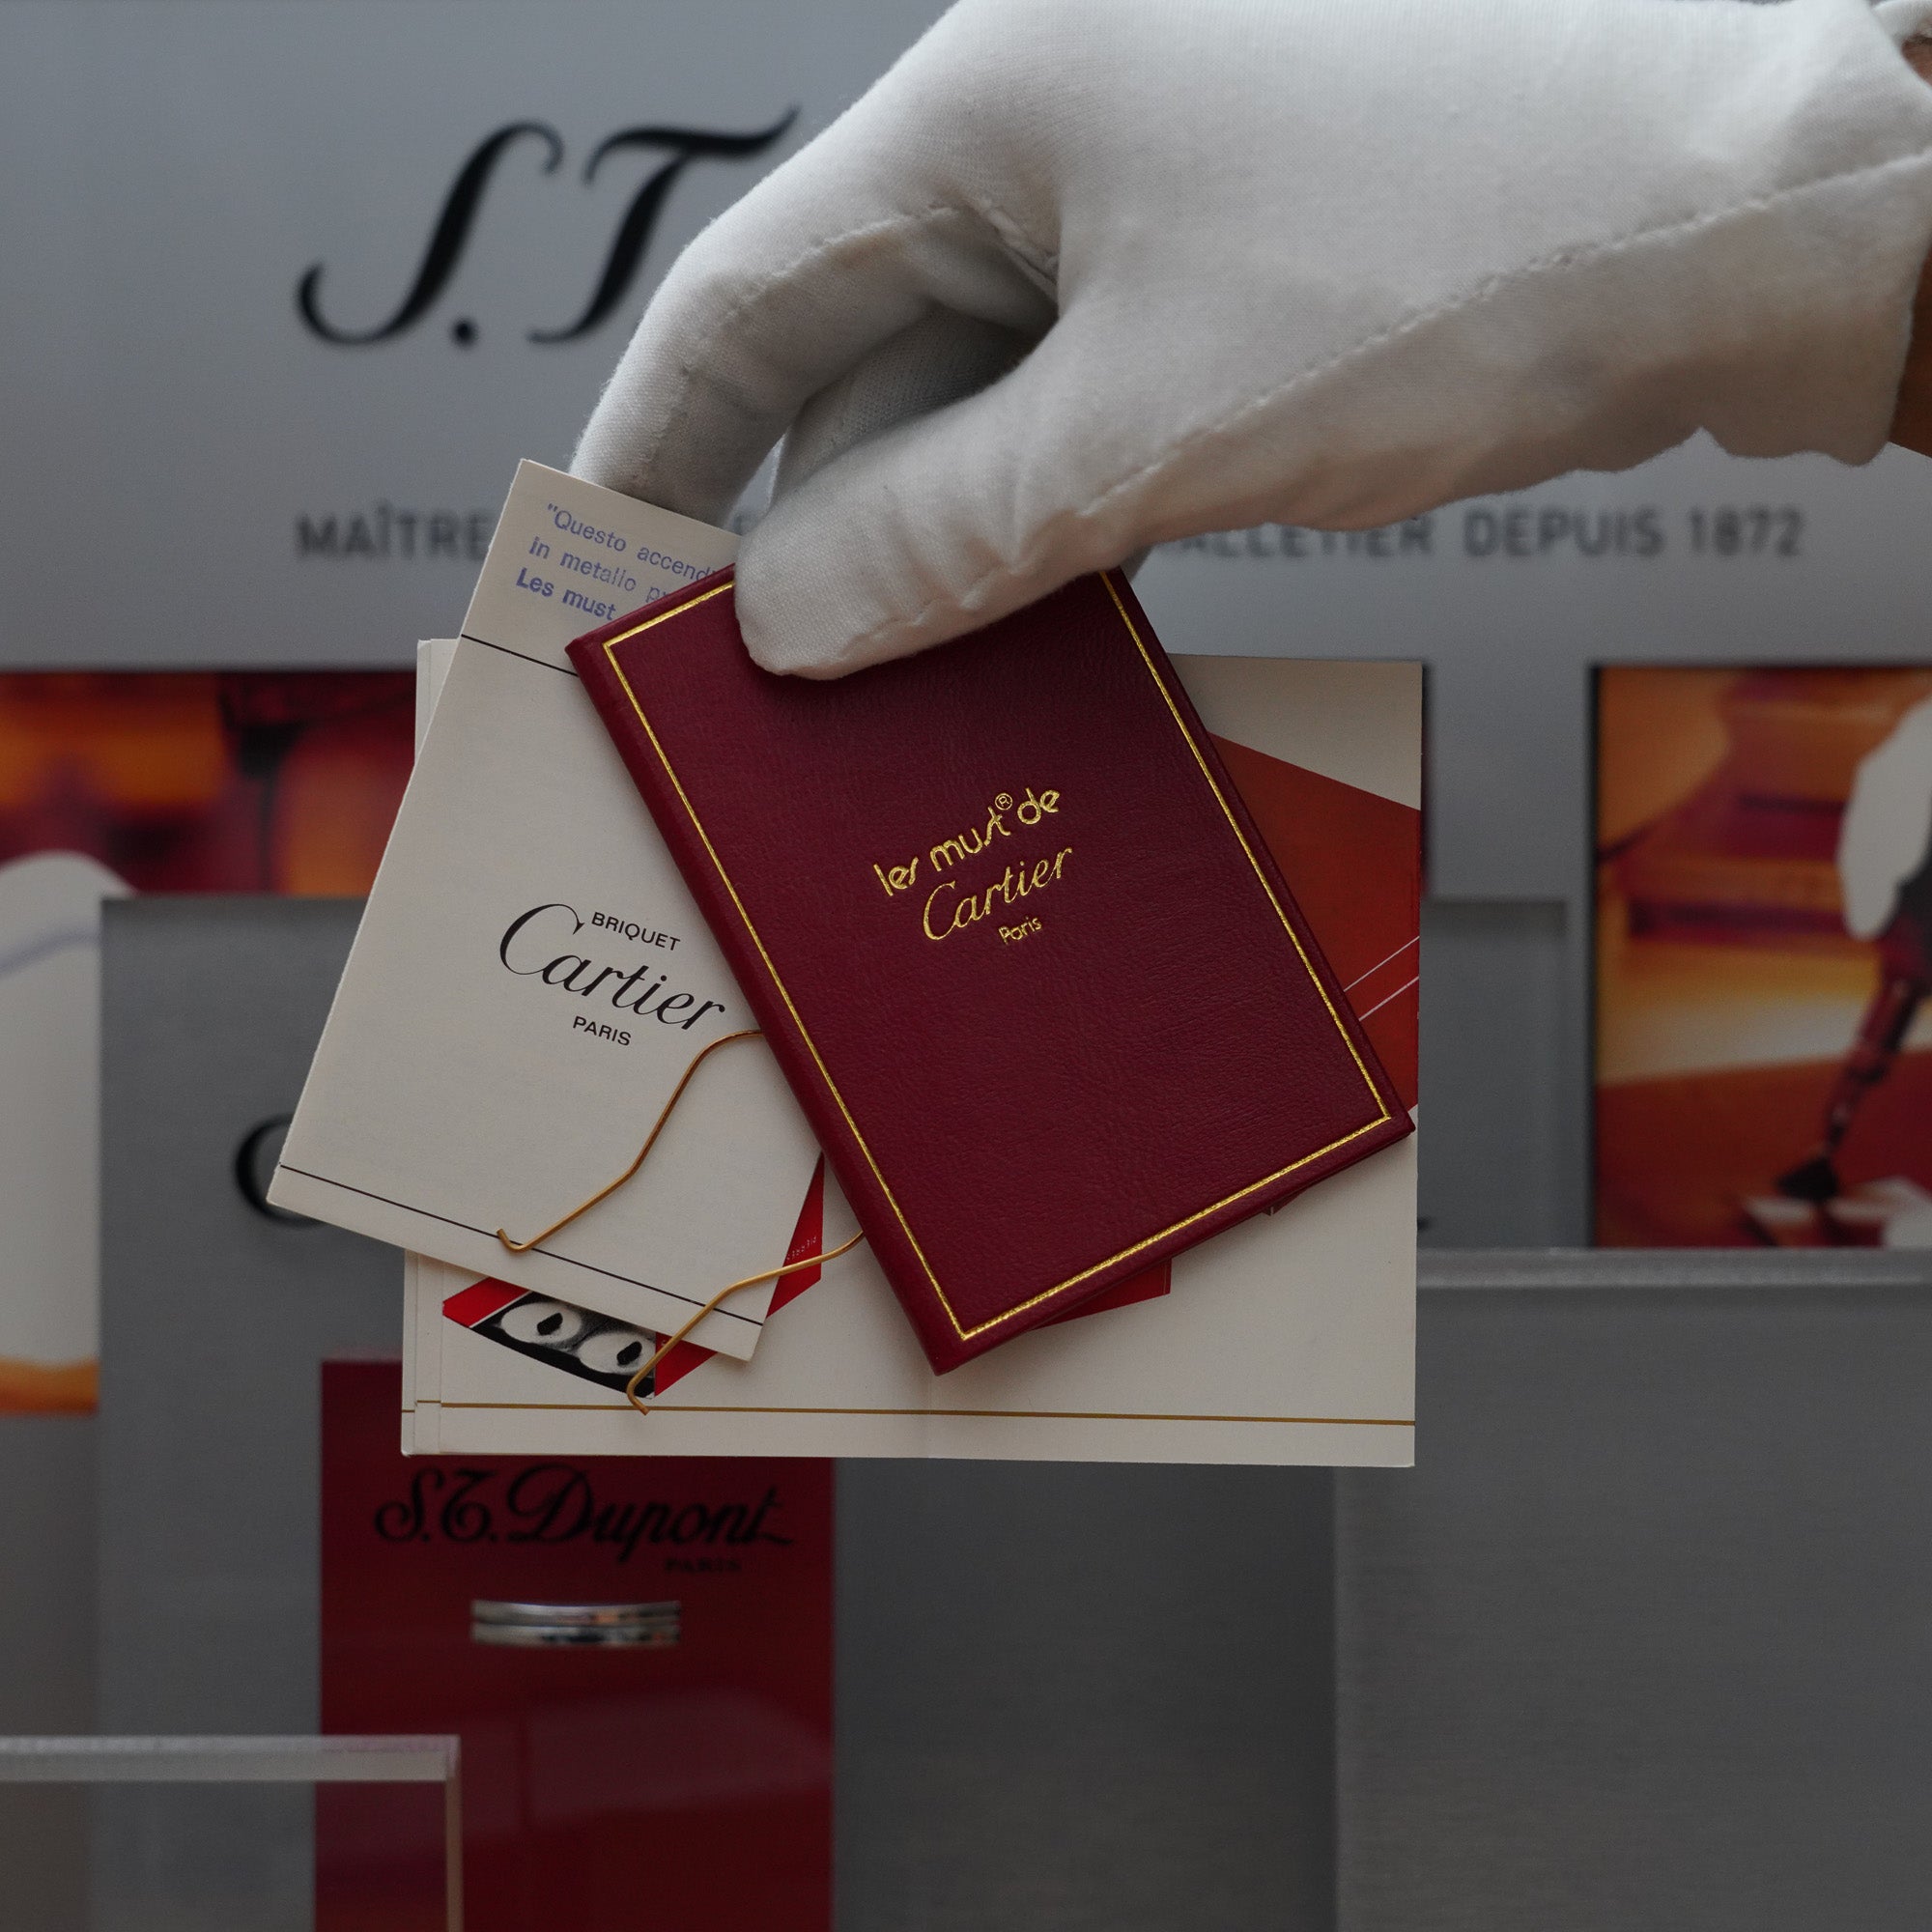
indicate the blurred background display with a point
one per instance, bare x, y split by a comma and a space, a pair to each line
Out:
207, 782
154, 782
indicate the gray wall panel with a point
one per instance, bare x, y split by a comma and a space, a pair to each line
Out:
1643, 1640
1096, 1700
214, 1322
1504, 1078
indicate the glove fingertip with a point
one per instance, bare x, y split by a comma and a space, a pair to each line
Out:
810, 618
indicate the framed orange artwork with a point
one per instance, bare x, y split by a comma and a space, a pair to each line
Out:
1763, 957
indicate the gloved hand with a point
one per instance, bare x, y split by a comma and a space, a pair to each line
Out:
1078, 276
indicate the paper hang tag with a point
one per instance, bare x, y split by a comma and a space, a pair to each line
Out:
568, 556
531, 980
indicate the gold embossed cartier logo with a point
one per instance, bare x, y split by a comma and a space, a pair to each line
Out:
948, 907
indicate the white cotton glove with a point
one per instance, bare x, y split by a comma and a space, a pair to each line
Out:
1888, 824
1210, 263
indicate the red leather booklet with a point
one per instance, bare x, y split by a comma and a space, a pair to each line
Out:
1018, 944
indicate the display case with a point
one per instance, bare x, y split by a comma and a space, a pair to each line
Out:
1632, 1643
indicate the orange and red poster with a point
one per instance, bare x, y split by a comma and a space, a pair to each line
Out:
1764, 957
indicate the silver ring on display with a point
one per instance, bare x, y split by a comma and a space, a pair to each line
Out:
492, 1610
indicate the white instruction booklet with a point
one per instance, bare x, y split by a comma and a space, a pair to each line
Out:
531, 978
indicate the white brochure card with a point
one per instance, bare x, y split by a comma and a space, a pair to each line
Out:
531, 978
1289, 1339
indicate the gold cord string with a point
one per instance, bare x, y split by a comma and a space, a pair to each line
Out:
602, 1193
751, 1281
677, 1093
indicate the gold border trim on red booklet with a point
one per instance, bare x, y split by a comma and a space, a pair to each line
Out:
965, 1333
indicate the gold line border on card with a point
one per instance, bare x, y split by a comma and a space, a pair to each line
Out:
664, 1407
1241, 837
1382, 1112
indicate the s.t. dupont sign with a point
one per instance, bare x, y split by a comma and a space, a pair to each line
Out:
672, 149
384, 530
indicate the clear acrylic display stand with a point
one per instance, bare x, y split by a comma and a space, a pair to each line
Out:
345, 1760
